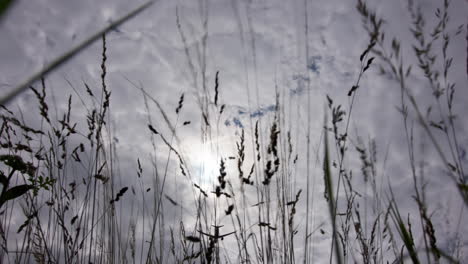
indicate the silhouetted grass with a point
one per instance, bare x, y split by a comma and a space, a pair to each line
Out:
61, 179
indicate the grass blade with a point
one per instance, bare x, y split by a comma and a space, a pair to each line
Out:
69, 54
331, 199
4, 5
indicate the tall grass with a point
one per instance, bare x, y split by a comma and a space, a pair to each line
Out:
64, 200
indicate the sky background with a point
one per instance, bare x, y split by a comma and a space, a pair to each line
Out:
260, 49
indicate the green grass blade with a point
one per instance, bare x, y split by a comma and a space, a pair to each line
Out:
4, 5
329, 190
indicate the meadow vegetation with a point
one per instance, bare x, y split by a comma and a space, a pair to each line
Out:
63, 200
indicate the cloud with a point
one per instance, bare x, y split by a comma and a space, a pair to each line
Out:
259, 49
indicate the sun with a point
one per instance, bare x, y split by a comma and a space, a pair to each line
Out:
204, 163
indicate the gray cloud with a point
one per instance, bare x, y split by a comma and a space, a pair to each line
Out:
259, 48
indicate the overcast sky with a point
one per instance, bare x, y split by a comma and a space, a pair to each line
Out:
260, 49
